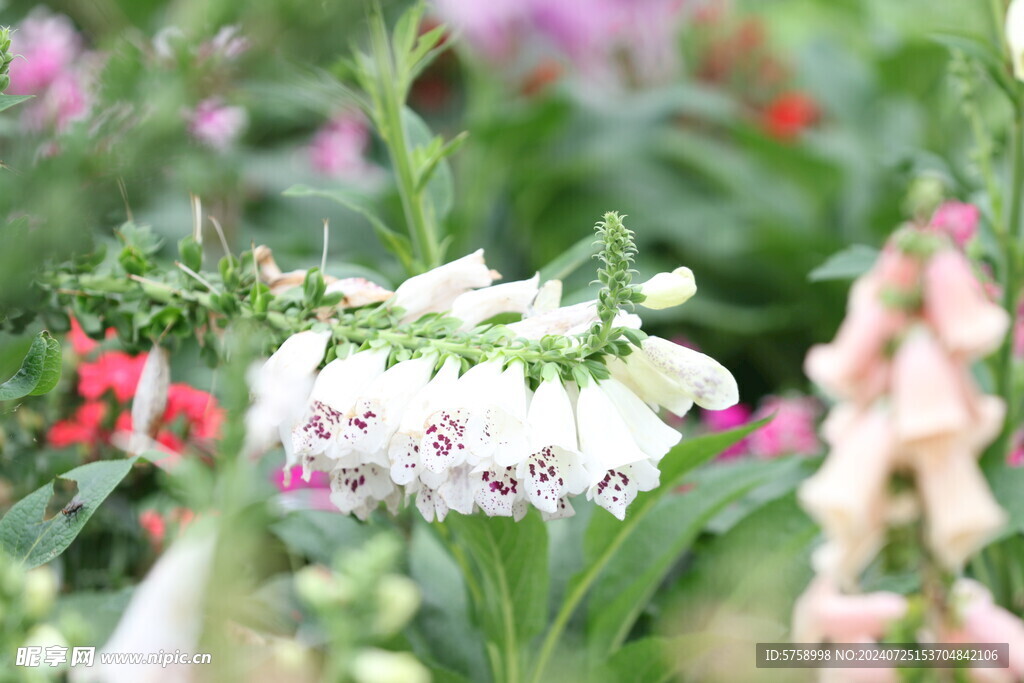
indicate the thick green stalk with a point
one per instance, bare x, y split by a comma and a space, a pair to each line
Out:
393, 88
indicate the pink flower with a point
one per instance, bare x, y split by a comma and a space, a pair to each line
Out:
823, 613
291, 480
114, 370
983, 621
338, 148
959, 220
492, 28
49, 46
216, 124
957, 307
792, 430
722, 420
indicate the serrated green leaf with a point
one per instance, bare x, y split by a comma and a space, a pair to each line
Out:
851, 262
31, 539
440, 192
40, 370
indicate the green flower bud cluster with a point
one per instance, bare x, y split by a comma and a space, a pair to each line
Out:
6, 57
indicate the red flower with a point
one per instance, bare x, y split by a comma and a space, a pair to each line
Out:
788, 115
200, 409
113, 370
81, 343
85, 427
154, 526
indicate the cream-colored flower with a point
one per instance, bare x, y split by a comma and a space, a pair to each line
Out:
666, 290
476, 306
1015, 36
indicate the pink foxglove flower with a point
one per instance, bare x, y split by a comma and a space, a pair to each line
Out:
791, 431
958, 220
981, 620
216, 124
339, 148
49, 47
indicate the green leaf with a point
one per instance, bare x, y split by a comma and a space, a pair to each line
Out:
398, 244
624, 588
318, 534
643, 661
8, 101
39, 372
27, 536
440, 191
510, 566
851, 262
569, 260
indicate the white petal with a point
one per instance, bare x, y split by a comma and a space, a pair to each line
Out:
404, 445
654, 437
1015, 36
436, 290
550, 417
360, 489
476, 306
496, 491
666, 290
619, 487
605, 439
377, 413
692, 374
334, 393
457, 490
564, 510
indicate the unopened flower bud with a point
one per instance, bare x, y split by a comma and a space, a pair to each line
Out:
40, 591
382, 666
1015, 36
398, 599
666, 290
319, 587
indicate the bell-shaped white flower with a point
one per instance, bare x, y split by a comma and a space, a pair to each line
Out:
428, 501
666, 290
165, 614
606, 441
477, 305
436, 290
549, 297
619, 486
481, 418
281, 388
1015, 36
675, 377
359, 490
336, 390
654, 437
377, 414
564, 509
554, 468
404, 445
499, 493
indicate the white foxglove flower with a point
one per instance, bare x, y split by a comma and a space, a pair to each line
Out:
335, 392
377, 413
435, 290
150, 398
1015, 36
675, 377
281, 387
404, 446
481, 418
666, 290
564, 509
619, 486
499, 493
549, 297
554, 468
359, 490
428, 501
476, 306
165, 614
654, 437
606, 441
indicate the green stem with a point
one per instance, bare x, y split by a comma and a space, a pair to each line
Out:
392, 88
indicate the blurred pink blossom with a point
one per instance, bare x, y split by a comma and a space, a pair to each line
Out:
50, 66
49, 47
959, 220
491, 28
730, 418
792, 430
216, 124
296, 493
338, 149
227, 44
981, 620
